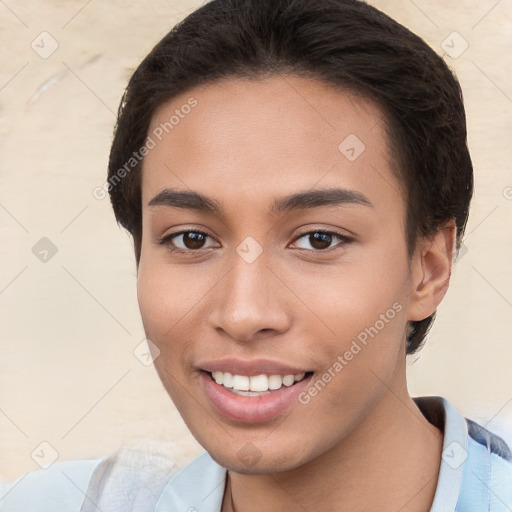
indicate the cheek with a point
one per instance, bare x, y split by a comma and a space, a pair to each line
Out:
167, 294
162, 310
362, 315
161, 302
347, 300
153, 303
172, 302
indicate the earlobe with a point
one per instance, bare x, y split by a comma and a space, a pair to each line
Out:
431, 271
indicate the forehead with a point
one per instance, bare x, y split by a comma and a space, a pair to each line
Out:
249, 139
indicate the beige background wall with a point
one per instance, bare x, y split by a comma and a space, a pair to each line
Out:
69, 326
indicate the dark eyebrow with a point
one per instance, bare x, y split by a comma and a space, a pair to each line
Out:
300, 200
185, 199
317, 198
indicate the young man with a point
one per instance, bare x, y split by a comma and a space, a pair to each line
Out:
296, 180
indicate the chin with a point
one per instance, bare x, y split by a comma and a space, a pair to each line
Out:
262, 465
256, 457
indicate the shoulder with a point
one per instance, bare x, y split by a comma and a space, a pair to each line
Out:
476, 464
131, 478
62, 486
493, 443
488, 469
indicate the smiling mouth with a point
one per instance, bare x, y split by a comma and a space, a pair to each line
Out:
255, 385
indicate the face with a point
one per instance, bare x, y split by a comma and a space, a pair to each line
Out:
253, 283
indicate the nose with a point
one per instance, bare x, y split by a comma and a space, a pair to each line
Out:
251, 302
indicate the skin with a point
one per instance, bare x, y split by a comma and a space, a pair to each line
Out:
361, 443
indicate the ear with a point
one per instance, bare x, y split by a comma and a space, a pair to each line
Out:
431, 267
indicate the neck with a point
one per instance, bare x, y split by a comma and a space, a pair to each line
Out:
389, 462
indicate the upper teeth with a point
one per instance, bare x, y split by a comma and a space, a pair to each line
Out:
256, 382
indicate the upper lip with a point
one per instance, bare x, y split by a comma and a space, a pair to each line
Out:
251, 367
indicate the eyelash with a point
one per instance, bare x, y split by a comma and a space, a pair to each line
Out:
167, 240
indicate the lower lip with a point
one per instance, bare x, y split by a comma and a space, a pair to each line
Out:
251, 409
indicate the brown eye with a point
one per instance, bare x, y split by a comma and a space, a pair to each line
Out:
193, 240
185, 240
321, 240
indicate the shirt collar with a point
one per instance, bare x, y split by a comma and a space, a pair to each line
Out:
442, 414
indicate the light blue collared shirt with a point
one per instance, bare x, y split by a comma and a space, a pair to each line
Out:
475, 476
